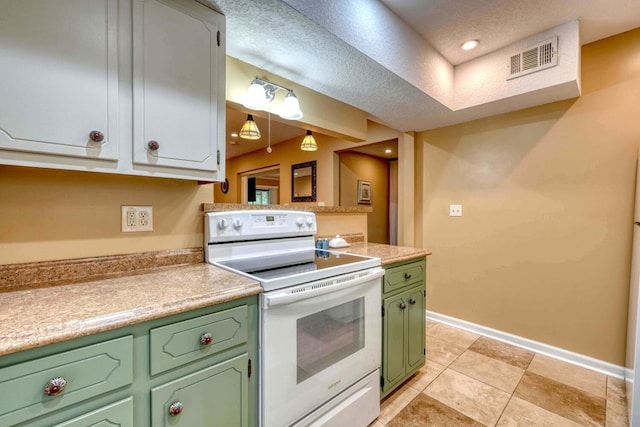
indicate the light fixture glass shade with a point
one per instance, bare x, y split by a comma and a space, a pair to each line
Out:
256, 97
250, 129
309, 143
291, 107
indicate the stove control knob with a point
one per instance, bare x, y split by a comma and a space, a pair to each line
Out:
309, 221
237, 223
222, 223
300, 221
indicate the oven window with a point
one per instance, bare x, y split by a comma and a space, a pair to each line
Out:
326, 337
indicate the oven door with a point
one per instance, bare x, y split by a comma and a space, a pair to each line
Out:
317, 340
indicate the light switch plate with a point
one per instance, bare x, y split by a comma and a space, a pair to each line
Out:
455, 210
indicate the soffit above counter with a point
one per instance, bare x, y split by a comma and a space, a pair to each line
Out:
221, 207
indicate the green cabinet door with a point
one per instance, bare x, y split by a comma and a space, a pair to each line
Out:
415, 329
393, 341
213, 397
403, 324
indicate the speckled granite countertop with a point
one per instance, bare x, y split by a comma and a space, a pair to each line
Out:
92, 304
388, 254
27, 317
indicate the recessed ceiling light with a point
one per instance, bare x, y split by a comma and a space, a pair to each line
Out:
388, 150
234, 134
469, 45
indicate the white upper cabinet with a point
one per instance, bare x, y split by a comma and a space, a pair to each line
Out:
122, 86
59, 77
178, 93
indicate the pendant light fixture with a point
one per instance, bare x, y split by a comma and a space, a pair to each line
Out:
309, 143
250, 129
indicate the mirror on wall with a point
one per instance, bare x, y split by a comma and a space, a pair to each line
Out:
303, 182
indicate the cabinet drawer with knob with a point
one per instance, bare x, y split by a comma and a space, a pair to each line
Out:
190, 340
398, 277
47, 384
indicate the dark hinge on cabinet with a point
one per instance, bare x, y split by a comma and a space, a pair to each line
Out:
424, 293
218, 156
383, 311
381, 381
424, 351
218, 38
249, 369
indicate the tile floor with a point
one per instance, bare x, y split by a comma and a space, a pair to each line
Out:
471, 380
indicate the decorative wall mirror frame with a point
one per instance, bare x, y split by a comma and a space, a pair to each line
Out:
303, 182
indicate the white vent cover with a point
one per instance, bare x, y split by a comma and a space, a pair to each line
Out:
535, 58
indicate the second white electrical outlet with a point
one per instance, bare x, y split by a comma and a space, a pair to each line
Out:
455, 210
137, 218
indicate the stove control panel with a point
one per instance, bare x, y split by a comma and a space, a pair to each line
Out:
257, 224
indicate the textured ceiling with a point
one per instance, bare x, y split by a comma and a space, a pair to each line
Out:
398, 66
445, 24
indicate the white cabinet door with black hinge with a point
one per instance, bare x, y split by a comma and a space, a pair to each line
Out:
178, 85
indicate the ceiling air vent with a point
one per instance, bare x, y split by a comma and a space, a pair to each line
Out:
535, 58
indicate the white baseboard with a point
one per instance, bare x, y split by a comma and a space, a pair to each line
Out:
542, 348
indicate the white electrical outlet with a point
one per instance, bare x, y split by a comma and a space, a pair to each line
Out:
455, 210
137, 218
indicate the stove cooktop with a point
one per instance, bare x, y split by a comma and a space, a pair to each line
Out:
282, 270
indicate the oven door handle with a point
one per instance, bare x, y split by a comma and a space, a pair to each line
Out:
314, 289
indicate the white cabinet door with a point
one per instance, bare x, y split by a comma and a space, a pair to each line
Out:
59, 77
178, 85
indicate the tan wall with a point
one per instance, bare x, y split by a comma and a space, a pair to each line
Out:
52, 214
356, 166
543, 248
330, 224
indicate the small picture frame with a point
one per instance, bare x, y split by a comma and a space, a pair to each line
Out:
364, 192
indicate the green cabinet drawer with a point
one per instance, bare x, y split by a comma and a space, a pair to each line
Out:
119, 414
404, 275
180, 343
89, 371
213, 397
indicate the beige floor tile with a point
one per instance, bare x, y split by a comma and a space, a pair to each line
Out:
616, 391
442, 352
576, 376
520, 413
426, 411
452, 335
617, 415
567, 401
504, 352
376, 423
473, 398
490, 371
425, 375
395, 402
430, 324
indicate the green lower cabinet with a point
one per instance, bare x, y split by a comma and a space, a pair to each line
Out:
213, 397
403, 326
119, 414
132, 376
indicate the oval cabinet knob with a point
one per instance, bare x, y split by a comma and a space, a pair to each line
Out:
403, 305
153, 145
206, 339
176, 408
96, 136
407, 275
55, 386
412, 301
